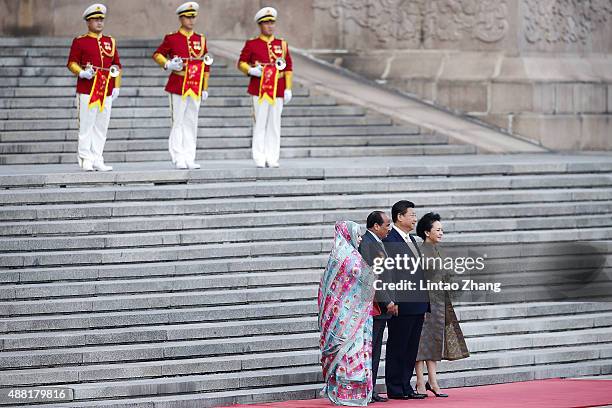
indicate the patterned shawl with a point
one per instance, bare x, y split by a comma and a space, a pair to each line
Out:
345, 305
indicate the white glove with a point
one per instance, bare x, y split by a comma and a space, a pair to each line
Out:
256, 71
204, 95
175, 64
287, 96
86, 73
115, 93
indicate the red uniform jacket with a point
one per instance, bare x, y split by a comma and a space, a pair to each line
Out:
184, 45
100, 52
266, 51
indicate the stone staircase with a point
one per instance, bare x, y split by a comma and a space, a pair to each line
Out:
152, 287
39, 121
198, 288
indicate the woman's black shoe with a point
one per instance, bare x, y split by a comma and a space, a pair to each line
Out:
428, 388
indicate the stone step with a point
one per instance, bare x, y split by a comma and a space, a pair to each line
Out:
311, 391
204, 122
57, 58
270, 248
171, 268
167, 253
185, 298
531, 271
128, 80
186, 222
169, 284
172, 350
307, 307
68, 102
298, 375
245, 153
275, 262
129, 47
220, 71
210, 142
126, 92
51, 195
156, 173
224, 143
259, 233
290, 308
154, 113
523, 279
238, 150
295, 358
109, 306
76, 297
175, 315
146, 70
432, 200
61, 42
229, 329
127, 62
528, 275
162, 333
185, 349
347, 132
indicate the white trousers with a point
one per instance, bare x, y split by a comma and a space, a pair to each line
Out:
266, 131
184, 134
93, 125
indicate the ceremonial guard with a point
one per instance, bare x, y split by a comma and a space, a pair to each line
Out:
185, 55
267, 61
95, 60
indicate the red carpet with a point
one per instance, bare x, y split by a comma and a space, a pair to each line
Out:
553, 393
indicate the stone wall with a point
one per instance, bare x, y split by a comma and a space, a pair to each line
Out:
541, 69
226, 19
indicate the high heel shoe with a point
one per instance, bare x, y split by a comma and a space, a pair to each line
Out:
428, 388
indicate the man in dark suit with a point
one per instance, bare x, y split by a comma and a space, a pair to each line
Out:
404, 328
372, 247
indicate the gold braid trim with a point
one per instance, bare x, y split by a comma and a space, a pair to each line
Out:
160, 59
74, 68
244, 67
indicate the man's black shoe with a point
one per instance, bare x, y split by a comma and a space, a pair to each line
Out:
416, 395
398, 397
378, 398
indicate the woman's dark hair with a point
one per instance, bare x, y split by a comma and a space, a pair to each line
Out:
425, 224
400, 208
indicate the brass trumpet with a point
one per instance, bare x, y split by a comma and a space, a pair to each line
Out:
207, 59
114, 70
279, 63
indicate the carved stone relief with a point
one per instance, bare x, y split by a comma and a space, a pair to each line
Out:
564, 21
421, 20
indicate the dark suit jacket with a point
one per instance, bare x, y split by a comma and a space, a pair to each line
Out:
371, 249
418, 302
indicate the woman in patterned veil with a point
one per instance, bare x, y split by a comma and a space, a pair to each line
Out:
345, 301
